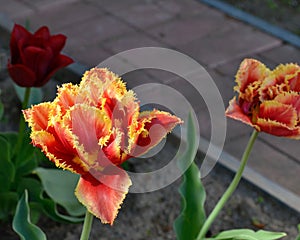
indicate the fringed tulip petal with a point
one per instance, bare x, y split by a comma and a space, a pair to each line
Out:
90, 125
102, 200
91, 129
235, 112
279, 112
249, 77
278, 129
157, 125
38, 116
268, 100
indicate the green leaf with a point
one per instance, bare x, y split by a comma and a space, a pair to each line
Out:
7, 169
8, 202
60, 186
50, 208
22, 224
36, 94
192, 216
40, 204
247, 234
298, 237
24, 160
1, 110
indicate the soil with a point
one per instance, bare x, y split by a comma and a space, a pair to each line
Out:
282, 13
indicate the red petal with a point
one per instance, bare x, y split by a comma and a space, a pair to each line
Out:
18, 33
38, 60
278, 129
57, 42
42, 32
157, 124
57, 151
104, 200
235, 112
278, 112
21, 75
59, 62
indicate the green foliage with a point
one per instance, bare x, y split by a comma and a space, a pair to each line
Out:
298, 237
192, 216
22, 224
1, 110
60, 185
247, 234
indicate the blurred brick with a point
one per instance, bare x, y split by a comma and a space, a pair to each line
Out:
183, 30
129, 41
235, 41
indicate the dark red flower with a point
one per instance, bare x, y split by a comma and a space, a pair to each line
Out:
35, 57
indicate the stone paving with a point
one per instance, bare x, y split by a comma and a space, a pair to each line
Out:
98, 29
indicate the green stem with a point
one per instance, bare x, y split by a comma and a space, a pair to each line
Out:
87, 226
22, 124
229, 190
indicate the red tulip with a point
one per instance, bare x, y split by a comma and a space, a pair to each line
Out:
91, 129
35, 57
268, 100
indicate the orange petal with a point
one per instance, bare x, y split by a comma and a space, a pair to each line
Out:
235, 112
105, 198
278, 129
250, 75
38, 116
278, 112
67, 96
155, 126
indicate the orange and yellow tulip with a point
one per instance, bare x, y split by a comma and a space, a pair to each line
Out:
268, 100
91, 129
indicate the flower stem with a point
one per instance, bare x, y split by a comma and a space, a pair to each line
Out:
229, 190
22, 121
87, 226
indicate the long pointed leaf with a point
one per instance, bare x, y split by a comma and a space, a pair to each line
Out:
247, 234
192, 216
22, 224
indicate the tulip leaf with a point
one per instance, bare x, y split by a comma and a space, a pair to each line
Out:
192, 216
7, 169
298, 237
50, 208
38, 203
24, 159
60, 186
8, 202
22, 224
1, 110
247, 234
36, 94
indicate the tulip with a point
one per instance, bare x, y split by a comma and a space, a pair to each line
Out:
35, 57
268, 100
91, 129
